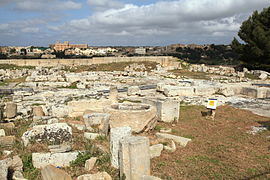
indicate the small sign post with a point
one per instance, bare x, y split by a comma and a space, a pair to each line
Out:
212, 106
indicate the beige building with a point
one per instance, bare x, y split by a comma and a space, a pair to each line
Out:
63, 46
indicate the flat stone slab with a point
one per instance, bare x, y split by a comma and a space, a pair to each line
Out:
178, 139
41, 160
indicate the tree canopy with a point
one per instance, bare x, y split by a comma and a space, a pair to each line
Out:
255, 32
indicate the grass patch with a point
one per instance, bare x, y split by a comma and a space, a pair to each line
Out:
192, 75
29, 171
14, 67
119, 66
203, 158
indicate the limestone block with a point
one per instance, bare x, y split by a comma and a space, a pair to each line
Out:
167, 110
77, 108
59, 148
116, 135
50, 172
2, 132
41, 160
38, 111
99, 120
205, 90
7, 140
249, 91
140, 117
91, 136
97, 176
60, 111
133, 90
55, 133
171, 148
4, 165
155, 150
11, 110
16, 164
263, 76
134, 157
144, 177
178, 139
90, 163
171, 91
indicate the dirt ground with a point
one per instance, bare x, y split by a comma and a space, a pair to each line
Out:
220, 148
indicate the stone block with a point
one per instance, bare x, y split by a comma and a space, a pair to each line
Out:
133, 90
134, 157
50, 172
90, 163
171, 91
99, 120
91, 136
11, 110
178, 139
7, 140
2, 132
155, 150
40, 160
168, 110
57, 133
97, 176
140, 117
38, 111
59, 148
116, 135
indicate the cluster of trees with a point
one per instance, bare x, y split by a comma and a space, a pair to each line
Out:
255, 33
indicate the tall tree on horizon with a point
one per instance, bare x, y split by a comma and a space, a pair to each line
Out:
255, 32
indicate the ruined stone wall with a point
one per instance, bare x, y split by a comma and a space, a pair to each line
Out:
165, 61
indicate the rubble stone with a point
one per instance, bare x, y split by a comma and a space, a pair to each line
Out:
181, 140
50, 172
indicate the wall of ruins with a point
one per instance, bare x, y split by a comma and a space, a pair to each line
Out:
165, 61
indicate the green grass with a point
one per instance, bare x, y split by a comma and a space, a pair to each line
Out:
13, 67
29, 171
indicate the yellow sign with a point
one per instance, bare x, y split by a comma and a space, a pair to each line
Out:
212, 104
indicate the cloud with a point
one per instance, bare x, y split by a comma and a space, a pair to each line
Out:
30, 30
49, 5
101, 5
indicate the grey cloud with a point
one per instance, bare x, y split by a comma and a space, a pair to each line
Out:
101, 5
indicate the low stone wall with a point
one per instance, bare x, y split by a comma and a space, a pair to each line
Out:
165, 61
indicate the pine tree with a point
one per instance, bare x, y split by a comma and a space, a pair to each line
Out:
255, 32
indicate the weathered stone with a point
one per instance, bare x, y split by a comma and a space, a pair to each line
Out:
50, 172
17, 175
140, 117
17, 164
7, 140
4, 164
263, 76
90, 163
38, 111
59, 148
97, 176
133, 90
2, 132
41, 160
167, 110
91, 136
98, 120
172, 148
115, 136
149, 178
171, 91
134, 157
155, 150
77, 108
9, 125
60, 111
181, 140
11, 110
54, 133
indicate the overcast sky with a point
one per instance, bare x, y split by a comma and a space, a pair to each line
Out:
123, 22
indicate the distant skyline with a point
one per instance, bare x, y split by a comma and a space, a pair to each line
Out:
123, 22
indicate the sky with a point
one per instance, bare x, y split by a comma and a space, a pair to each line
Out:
123, 22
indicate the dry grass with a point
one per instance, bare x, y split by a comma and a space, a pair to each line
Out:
110, 67
192, 75
220, 148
